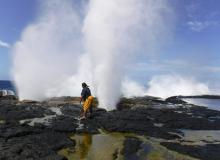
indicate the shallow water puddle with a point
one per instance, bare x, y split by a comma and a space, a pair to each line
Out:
106, 146
99, 146
56, 110
43, 120
202, 136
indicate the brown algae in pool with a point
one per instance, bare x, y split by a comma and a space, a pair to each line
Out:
110, 146
155, 156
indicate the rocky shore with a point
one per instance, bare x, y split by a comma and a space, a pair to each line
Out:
38, 130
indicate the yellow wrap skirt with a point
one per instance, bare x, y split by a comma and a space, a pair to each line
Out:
88, 103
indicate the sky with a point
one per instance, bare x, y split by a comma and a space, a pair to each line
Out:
15, 15
193, 50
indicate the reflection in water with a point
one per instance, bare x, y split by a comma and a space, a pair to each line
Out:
109, 147
84, 145
81, 150
94, 147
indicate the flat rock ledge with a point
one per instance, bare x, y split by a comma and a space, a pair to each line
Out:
37, 130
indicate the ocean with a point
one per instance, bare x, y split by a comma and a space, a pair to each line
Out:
210, 103
8, 85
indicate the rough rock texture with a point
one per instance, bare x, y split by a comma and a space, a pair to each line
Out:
22, 111
133, 121
207, 152
36, 130
34, 146
175, 99
131, 147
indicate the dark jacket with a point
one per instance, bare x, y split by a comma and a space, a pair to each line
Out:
85, 93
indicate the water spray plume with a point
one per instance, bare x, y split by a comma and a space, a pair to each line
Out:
48, 51
71, 42
165, 86
115, 32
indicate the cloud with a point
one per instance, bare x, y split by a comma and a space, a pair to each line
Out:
4, 44
172, 65
192, 9
214, 69
159, 65
200, 17
199, 25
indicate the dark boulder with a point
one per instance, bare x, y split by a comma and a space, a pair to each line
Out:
175, 100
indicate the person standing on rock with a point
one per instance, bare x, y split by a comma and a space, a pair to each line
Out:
87, 99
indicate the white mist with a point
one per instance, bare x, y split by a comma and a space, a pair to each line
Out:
115, 32
71, 42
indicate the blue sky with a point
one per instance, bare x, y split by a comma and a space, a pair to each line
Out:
15, 15
194, 50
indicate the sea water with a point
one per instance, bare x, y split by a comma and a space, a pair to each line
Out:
210, 103
7, 85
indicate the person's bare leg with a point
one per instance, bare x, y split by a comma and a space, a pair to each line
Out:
87, 112
81, 113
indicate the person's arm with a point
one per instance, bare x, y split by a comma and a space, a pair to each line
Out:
82, 95
81, 99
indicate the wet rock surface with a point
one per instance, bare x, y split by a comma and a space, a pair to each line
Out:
14, 111
37, 130
131, 147
207, 152
34, 146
